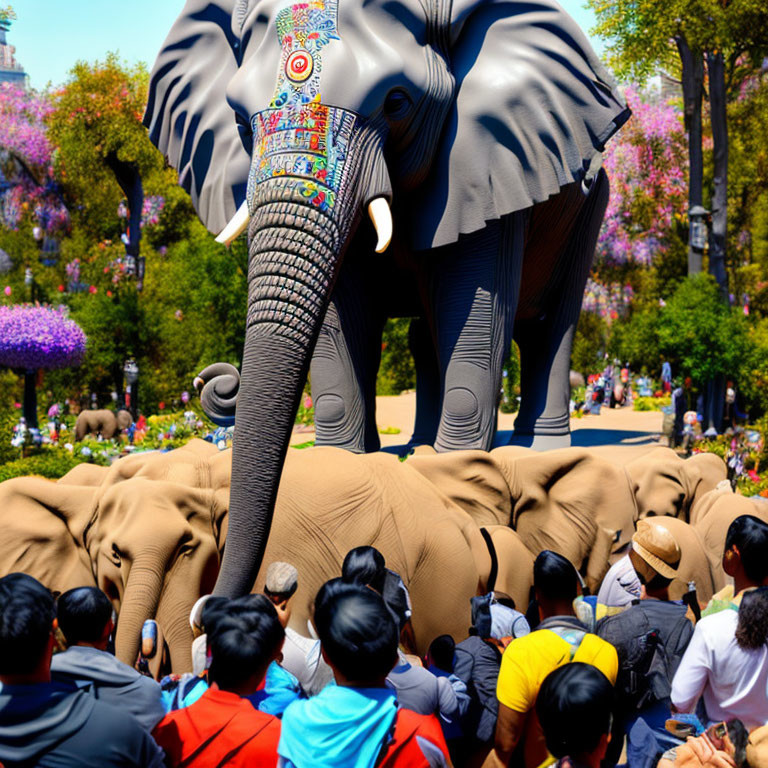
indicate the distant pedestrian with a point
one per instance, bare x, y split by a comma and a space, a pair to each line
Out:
666, 376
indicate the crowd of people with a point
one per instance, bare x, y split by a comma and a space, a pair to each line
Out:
578, 680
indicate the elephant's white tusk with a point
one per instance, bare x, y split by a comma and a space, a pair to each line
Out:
381, 217
236, 226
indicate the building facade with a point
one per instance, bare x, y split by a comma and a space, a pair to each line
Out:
10, 69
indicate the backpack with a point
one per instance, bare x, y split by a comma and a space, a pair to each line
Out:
650, 637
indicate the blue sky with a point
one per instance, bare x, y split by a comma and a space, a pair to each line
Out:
51, 35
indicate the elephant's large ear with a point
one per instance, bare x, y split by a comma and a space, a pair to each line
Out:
533, 110
188, 116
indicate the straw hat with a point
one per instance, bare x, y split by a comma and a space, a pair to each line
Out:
657, 546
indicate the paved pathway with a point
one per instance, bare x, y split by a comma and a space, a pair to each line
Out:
619, 435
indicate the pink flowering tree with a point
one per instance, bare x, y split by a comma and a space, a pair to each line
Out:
35, 337
646, 164
26, 162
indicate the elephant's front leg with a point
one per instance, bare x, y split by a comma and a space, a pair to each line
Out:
474, 289
546, 341
345, 363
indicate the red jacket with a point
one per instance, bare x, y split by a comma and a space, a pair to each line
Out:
219, 729
418, 742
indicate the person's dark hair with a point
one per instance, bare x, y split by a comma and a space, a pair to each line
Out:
213, 607
739, 736
441, 651
222, 608
554, 577
752, 627
242, 644
83, 614
574, 706
27, 611
356, 631
658, 582
750, 535
365, 566
502, 598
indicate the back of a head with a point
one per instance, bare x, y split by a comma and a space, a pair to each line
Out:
441, 651
83, 614
752, 626
366, 566
574, 707
242, 644
554, 577
750, 535
27, 611
356, 631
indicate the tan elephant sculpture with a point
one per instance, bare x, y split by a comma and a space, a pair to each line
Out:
150, 529
665, 484
103, 422
568, 500
713, 514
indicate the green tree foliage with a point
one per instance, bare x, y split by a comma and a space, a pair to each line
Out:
589, 344
397, 371
98, 113
635, 340
702, 336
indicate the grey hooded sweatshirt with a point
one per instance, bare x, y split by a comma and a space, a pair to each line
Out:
57, 725
113, 682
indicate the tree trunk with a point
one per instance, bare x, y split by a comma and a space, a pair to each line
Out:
717, 103
693, 88
30, 398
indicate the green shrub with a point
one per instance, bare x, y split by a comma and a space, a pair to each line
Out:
48, 464
651, 403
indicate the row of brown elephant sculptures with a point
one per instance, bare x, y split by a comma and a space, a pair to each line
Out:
150, 530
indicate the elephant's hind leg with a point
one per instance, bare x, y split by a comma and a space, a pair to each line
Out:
474, 293
546, 342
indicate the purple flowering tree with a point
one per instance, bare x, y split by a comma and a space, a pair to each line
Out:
647, 167
34, 337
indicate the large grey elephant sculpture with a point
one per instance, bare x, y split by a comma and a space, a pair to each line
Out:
293, 119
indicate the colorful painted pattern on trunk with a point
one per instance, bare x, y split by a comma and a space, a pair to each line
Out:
298, 137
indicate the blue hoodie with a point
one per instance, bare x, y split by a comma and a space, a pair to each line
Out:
341, 727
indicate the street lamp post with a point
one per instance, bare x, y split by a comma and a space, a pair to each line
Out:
131, 372
699, 238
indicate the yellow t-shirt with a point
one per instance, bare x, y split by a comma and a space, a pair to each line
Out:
528, 660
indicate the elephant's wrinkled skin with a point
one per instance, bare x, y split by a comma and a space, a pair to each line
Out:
150, 529
463, 115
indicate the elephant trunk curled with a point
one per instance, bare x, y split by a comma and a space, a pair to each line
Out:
294, 253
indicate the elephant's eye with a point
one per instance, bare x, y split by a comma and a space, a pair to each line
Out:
117, 556
397, 104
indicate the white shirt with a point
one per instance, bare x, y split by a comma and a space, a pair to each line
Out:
731, 681
620, 585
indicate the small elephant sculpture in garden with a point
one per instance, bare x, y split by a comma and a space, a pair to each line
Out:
475, 128
103, 423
